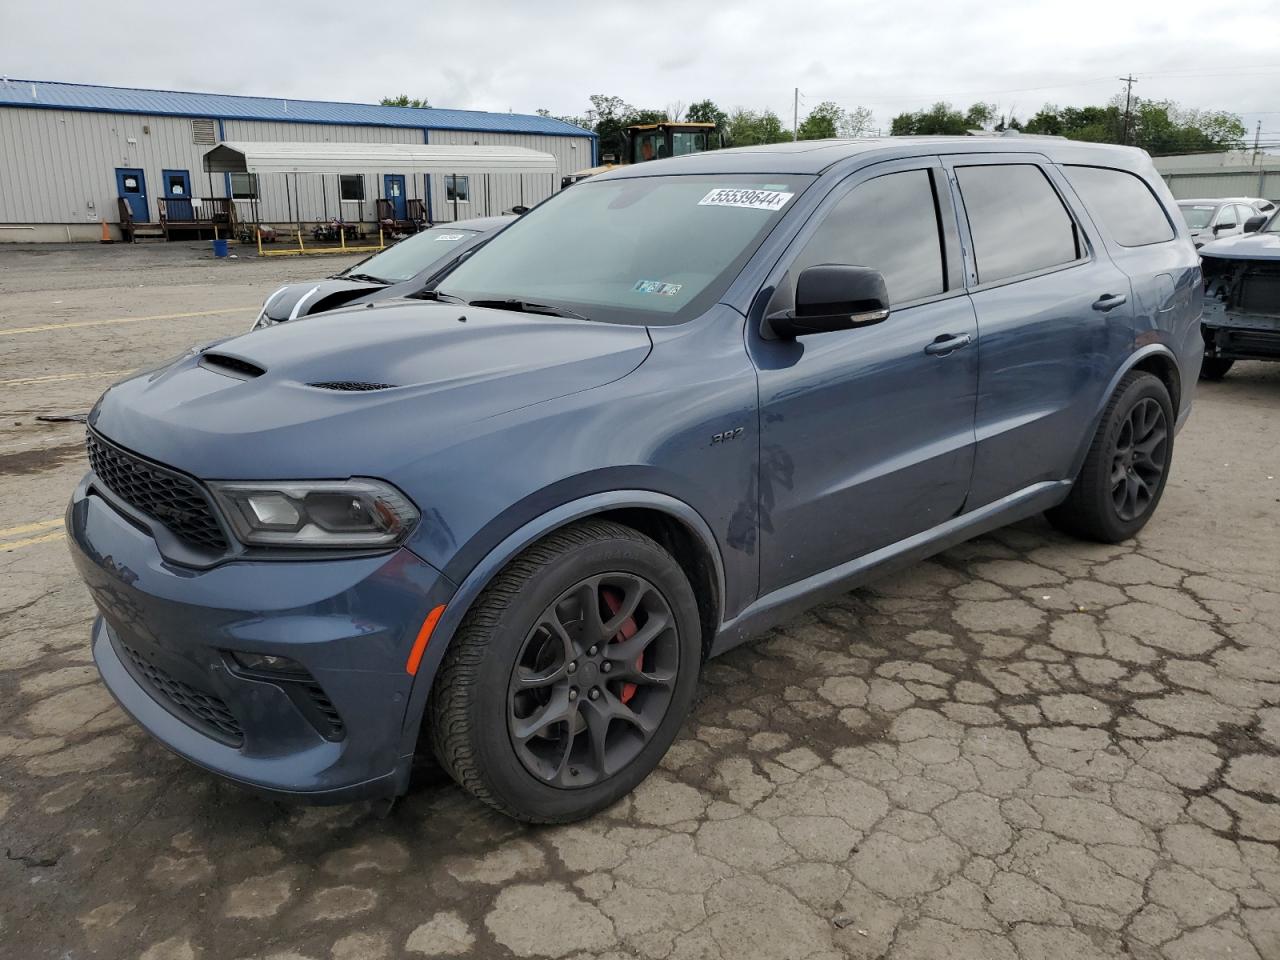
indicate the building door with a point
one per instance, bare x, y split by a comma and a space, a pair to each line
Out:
393, 188
177, 195
132, 187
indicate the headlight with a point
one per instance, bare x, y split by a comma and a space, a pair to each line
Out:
317, 513
263, 320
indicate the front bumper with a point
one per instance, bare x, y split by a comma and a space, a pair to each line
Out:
165, 634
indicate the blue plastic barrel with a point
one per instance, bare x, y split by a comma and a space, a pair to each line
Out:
219, 248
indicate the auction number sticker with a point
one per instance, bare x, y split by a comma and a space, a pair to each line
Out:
751, 199
658, 287
451, 237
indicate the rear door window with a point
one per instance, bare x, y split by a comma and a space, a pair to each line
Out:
1017, 220
1123, 203
890, 224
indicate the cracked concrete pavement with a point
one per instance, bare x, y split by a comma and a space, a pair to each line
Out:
1028, 748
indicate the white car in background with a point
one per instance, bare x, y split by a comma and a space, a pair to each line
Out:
1218, 217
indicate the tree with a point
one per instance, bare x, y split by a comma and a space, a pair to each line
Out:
857, 123
980, 116
822, 123
576, 121
941, 118
404, 100
746, 128
1160, 127
705, 111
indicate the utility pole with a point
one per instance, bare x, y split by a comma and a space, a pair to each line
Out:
1257, 133
795, 117
1128, 97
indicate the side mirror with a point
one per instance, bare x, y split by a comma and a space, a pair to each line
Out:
832, 296
519, 210
1254, 224
1223, 226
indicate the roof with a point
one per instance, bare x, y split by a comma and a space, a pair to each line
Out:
816, 156
295, 157
221, 106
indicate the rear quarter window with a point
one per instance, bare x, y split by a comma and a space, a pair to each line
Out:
1124, 203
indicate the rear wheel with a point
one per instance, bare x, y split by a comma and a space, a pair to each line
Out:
1214, 368
571, 675
1124, 474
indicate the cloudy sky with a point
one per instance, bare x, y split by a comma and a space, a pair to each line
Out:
889, 55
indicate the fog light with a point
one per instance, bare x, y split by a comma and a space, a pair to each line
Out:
268, 663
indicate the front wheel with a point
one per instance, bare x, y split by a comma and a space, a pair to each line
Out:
1125, 471
1214, 368
570, 677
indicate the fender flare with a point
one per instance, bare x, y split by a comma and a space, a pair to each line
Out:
497, 558
1135, 358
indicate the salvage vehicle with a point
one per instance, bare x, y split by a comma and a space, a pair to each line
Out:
403, 269
659, 414
1242, 299
1210, 220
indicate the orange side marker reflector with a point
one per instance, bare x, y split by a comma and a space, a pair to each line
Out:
420, 644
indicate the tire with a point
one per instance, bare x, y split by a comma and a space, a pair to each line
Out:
1214, 368
1119, 486
517, 703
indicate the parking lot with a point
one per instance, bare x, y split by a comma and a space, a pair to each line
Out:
1028, 747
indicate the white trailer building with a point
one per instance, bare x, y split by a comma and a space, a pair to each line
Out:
72, 156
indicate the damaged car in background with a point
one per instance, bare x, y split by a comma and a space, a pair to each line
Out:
404, 269
1242, 297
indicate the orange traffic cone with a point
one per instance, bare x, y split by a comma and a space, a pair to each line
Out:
106, 234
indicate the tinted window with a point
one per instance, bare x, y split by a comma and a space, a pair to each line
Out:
889, 223
1124, 203
1017, 221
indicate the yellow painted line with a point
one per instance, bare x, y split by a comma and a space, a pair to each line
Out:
100, 323
32, 541
60, 377
31, 527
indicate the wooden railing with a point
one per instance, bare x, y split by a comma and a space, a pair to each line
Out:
177, 212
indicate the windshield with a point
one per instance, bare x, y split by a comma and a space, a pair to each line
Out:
645, 250
1197, 215
412, 255
1273, 225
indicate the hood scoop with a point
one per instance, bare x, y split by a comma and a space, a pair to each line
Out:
231, 366
357, 386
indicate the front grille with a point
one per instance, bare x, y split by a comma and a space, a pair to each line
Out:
161, 494
356, 385
330, 721
201, 710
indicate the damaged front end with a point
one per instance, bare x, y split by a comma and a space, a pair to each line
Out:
1241, 308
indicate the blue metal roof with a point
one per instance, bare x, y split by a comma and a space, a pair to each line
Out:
221, 106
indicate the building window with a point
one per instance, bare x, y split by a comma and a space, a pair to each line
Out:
457, 188
351, 186
244, 186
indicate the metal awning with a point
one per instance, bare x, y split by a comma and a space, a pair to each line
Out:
263, 158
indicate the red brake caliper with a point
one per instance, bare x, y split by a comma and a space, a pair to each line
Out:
628, 630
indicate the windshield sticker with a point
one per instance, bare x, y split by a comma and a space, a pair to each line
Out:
658, 287
751, 199
451, 236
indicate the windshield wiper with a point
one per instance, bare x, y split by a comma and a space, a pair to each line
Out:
526, 306
364, 278
437, 296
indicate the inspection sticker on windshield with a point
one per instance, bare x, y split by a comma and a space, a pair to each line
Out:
658, 287
451, 236
751, 199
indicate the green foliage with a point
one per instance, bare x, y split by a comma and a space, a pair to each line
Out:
705, 111
404, 100
822, 123
749, 127
941, 118
1160, 127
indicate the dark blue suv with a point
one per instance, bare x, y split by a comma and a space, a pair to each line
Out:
666, 409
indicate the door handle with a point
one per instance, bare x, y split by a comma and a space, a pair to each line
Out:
948, 343
1109, 301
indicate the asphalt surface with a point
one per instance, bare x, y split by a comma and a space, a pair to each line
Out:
1028, 748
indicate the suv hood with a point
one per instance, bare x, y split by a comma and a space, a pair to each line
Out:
314, 296
1249, 246
434, 368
